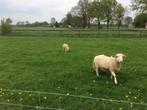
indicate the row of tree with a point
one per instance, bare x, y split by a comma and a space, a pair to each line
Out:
103, 11
53, 23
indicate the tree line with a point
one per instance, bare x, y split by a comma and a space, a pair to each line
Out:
108, 12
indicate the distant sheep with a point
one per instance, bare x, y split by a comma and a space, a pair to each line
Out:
66, 47
112, 64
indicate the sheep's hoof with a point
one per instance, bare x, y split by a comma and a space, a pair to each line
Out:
116, 83
98, 76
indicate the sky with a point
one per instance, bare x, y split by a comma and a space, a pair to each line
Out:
38, 10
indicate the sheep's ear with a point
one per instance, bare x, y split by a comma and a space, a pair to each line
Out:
115, 56
124, 56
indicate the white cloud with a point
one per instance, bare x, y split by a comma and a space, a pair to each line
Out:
38, 10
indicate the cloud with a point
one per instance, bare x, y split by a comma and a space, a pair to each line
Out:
37, 10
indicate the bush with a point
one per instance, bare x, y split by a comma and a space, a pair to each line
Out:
140, 20
6, 26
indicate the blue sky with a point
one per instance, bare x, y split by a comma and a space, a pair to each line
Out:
38, 10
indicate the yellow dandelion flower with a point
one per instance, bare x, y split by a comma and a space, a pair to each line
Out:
120, 108
130, 92
127, 96
90, 94
45, 98
37, 107
67, 94
135, 97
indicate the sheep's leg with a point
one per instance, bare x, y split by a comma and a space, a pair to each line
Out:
114, 75
111, 76
97, 72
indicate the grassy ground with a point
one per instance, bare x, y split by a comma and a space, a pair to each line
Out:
39, 64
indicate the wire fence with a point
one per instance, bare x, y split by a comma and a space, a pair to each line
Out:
31, 100
80, 32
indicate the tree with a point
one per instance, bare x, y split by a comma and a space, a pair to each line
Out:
69, 18
27, 23
140, 20
76, 21
109, 7
6, 26
95, 11
56, 24
119, 14
8, 20
83, 6
139, 5
53, 21
128, 20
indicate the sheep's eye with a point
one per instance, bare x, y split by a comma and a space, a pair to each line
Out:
116, 56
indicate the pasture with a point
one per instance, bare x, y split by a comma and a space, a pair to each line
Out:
39, 64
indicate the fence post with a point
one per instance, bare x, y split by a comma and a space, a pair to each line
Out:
97, 32
39, 101
103, 104
81, 104
79, 33
140, 34
61, 33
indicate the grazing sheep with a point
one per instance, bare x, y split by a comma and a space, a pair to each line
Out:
66, 47
113, 64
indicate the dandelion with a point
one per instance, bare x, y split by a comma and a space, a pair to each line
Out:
130, 92
67, 94
135, 97
127, 96
76, 88
19, 93
45, 98
93, 81
120, 108
37, 107
90, 94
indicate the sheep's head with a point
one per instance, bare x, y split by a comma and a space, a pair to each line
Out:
120, 57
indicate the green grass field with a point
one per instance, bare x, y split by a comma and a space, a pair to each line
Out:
39, 64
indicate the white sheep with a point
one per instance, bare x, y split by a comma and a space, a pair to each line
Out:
112, 64
66, 47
